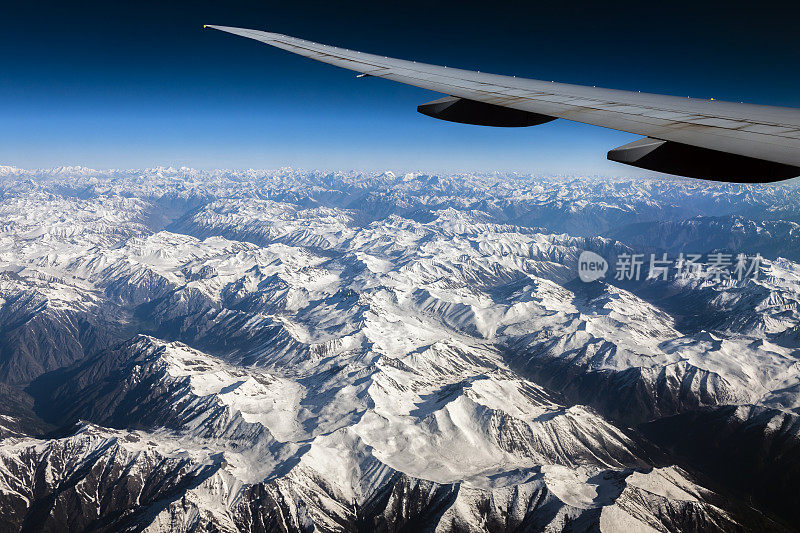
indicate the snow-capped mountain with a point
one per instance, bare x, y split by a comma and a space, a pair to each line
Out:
186, 350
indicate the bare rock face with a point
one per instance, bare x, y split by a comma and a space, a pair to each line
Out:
216, 351
93, 480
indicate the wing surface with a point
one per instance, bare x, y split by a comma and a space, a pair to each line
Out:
754, 131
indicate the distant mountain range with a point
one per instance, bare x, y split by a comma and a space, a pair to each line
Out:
186, 350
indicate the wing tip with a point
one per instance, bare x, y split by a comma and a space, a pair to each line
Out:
243, 32
222, 28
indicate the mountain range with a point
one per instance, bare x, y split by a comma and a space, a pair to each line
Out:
191, 350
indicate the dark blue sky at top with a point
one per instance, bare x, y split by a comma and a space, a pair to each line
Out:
134, 84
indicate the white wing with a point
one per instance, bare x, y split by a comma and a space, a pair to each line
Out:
761, 140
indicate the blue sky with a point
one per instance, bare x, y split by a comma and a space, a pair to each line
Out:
124, 84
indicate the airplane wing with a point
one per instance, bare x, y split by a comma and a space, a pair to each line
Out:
707, 139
